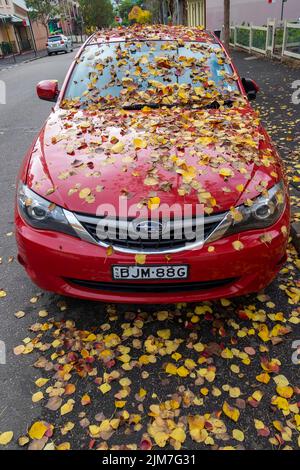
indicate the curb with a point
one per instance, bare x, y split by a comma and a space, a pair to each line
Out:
34, 58
295, 234
295, 226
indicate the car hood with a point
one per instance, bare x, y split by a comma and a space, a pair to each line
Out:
218, 158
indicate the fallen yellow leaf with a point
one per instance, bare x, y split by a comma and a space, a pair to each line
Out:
178, 434
165, 334
40, 382
285, 391
37, 430
238, 435
171, 369
37, 397
105, 388
6, 437
67, 407
232, 413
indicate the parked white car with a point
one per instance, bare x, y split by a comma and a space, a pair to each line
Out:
59, 43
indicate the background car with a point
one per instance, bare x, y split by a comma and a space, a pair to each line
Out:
59, 43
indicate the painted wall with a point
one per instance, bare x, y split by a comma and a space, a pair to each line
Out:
6, 7
18, 8
40, 35
6, 33
250, 11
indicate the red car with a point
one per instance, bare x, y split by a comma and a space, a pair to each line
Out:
153, 180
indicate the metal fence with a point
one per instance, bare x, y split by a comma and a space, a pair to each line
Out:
78, 39
291, 40
275, 39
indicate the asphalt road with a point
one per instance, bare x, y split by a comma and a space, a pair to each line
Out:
20, 120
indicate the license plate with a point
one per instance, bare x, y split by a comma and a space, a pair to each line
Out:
131, 273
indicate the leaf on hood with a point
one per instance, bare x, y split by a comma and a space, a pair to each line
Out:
140, 259
238, 245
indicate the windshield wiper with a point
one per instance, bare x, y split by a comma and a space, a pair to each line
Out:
135, 107
216, 105
213, 105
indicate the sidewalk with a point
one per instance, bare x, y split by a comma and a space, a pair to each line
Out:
281, 116
20, 58
11, 61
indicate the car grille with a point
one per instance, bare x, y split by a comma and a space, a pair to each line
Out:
151, 287
158, 244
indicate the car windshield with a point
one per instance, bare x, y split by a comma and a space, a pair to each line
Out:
54, 38
132, 74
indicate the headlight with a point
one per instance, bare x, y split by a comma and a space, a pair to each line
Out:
261, 212
40, 213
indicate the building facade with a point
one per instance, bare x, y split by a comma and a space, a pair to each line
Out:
17, 33
210, 13
7, 32
69, 19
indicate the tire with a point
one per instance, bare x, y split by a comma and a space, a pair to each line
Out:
49, 53
56, 53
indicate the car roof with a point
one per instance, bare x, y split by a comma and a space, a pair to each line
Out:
153, 33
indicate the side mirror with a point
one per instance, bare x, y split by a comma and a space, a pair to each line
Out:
251, 88
47, 90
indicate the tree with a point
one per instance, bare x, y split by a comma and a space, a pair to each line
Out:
140, 16
42, 10
125, 8
154, 6
97, 13
170, 10
226, 23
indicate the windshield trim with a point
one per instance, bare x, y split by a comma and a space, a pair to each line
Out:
99, 43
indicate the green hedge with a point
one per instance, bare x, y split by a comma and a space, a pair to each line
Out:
259, 38
243, 37
5, 48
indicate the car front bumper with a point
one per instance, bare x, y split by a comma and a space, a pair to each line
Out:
70, 266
